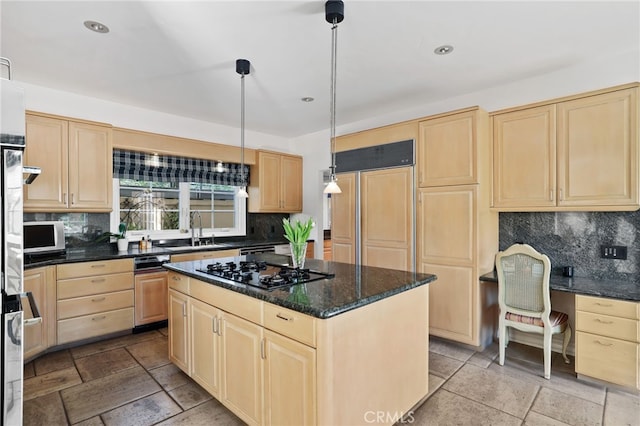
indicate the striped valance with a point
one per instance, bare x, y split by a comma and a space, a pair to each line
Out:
168, 168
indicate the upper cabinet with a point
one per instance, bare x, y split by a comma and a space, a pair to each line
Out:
276, 183
576, 154
76, 162
447, 149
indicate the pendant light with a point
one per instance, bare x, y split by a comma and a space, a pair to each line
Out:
334, 14
243, 67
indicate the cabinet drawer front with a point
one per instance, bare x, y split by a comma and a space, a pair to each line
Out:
607, 359
87, 305
235, 303
86, 269
606, 325
204, 255
87, 286
178, 282
599, 305
289, 323
79, 328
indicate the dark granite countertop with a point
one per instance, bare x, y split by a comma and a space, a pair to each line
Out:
352, 287
622, 290
109, 252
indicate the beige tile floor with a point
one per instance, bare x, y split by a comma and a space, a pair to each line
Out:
130, 381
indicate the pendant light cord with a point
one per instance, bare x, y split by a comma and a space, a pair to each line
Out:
334, 66
242, 130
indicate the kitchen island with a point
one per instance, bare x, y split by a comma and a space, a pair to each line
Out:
345, 350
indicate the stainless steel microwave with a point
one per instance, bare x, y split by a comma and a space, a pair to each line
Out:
43, 237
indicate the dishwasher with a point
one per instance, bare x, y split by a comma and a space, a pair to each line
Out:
151, 292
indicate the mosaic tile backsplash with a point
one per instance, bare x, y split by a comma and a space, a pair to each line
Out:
574, 239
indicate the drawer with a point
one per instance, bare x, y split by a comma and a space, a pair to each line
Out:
72, 329
237, 304
608, 326
88, 286
87, 269
290, 323
611, 360
178, 282
87, 305
599, 305
204, 255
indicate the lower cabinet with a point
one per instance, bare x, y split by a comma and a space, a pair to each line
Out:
39, 336
150, 298
608, 340
179, 332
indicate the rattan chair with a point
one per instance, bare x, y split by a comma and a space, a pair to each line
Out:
524, 300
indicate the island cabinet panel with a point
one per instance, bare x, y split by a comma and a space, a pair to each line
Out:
608, 340
289, 381
179, 331
39, 336
276, 183
447, 150
205, 346
577, 153
94, 299
76, 162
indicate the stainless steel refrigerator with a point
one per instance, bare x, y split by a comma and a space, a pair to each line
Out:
13, 299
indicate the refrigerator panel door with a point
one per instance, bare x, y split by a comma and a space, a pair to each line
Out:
12, 204
12, 329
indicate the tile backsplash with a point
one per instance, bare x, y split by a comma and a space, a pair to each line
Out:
81, 229
574, 238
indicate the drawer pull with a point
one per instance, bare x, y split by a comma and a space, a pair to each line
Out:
99, 318
603, 322
98, 299
99, 280
604, 305
175, 278
100, 265
603, 344
282, 317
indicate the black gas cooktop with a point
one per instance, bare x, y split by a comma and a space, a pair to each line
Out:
264, 275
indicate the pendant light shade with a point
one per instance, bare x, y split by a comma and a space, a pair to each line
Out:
243, 67
334, 14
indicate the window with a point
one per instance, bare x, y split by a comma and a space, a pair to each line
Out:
167, 209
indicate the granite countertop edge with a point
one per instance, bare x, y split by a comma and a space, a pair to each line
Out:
612, 289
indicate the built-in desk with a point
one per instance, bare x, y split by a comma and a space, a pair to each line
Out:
605, 317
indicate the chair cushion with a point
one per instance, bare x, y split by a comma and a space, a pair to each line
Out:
556, 318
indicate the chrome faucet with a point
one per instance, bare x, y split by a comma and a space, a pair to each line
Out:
195, 240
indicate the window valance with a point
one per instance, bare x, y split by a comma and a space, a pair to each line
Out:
168, 168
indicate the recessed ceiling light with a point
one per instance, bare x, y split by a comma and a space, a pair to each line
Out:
307, 99
96, 26
443, 50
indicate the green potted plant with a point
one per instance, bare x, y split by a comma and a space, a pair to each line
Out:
297, 234
121, 237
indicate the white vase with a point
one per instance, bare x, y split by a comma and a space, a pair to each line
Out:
123, 244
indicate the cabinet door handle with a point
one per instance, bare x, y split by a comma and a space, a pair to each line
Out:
551, 195
220, 327
604, 305
175, 278
73, 198
603, 322
560, 194
282, 317
263, 352
98, 280
214, 322
603, 344
64, 198
98, 299
184, 309
99, 318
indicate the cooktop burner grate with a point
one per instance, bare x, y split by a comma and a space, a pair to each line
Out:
264, 275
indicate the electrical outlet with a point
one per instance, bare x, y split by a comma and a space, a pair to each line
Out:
613, 252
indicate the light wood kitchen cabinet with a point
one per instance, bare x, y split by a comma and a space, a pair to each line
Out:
608, 340
76, 162
150, 297
577, 153
343, 220
276, 184
94, 299
38, 337
457, 234
205, 346
204, 255
446, 149
179, 330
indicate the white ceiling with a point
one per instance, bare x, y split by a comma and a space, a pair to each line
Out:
179, 57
